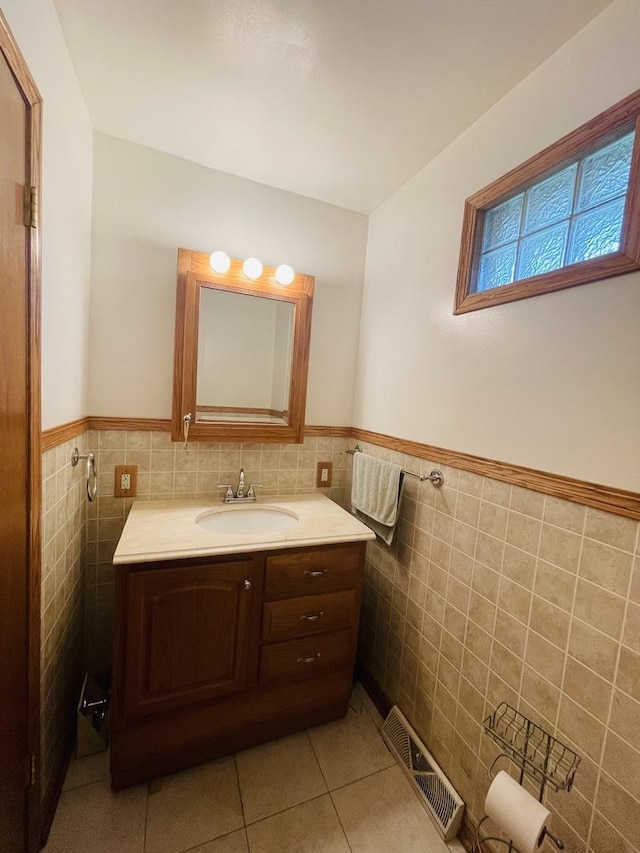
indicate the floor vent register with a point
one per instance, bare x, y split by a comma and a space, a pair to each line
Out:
437, 794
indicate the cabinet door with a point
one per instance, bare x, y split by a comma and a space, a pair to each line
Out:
191, 634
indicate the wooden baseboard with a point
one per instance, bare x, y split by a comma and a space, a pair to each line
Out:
58, 435
333, 431
143, 424
606, 498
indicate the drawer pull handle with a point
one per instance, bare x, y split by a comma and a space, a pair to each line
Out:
247, 584
315, 573
312, 617
309, 660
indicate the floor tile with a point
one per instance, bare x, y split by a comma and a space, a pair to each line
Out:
93, 817
313, 827
193, 807
277, 776
351, 748
381, 812
236, 842
84, 771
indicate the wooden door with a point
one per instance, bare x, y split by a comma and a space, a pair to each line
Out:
19, 456
191, 634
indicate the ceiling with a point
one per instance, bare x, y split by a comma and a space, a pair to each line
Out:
339, 100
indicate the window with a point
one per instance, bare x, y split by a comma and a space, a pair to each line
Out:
568, 216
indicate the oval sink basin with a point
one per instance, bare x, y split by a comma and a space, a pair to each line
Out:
247, 519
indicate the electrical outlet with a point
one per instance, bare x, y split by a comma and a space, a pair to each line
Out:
323, 475
126, 481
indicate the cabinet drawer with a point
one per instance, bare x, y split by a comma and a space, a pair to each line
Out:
310, 572
307, 657
311, 614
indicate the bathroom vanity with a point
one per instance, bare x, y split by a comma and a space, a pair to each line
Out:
225, 638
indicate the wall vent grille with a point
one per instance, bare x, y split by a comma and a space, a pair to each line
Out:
438, 796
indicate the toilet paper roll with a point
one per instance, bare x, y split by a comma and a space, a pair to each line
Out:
519, 815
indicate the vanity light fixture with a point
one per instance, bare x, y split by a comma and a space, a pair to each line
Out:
220, 261
284, 274
252, 268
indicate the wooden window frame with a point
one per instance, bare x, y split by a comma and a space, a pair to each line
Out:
614, 123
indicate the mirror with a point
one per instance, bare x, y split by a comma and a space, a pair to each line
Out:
241, 353
257, 389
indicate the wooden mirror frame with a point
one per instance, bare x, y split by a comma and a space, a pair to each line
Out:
195, 272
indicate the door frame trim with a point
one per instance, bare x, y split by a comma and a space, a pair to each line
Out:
25, 82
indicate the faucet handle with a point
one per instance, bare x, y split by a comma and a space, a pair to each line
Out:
229, 488
251, 493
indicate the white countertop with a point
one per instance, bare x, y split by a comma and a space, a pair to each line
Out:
166, 530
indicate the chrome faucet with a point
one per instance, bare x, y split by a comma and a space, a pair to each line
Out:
240, 490
241, 494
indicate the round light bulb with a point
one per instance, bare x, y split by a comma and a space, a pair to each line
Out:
284, 274
252, 268
220, 261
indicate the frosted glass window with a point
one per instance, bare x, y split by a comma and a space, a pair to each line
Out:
571, 216
502, 224
605, 174
551, 200
597, 232
566, 216
496, 268
542, 252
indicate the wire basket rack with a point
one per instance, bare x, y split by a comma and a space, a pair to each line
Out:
541, 756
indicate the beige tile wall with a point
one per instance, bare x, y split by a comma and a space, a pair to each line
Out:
167, 471
492, 593
62, 600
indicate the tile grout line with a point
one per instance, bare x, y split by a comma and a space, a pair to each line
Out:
333, 805
607, 723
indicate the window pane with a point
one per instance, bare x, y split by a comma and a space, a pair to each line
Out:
542, 252
550, 201
597, 232
605, 174
496, 268
502, 224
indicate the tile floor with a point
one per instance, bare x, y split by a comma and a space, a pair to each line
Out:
332, 789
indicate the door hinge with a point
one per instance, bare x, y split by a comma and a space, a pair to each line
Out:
34, 208
31, 207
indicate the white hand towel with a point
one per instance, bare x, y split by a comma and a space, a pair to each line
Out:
376, 490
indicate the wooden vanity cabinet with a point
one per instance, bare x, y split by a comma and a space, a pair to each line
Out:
213, 655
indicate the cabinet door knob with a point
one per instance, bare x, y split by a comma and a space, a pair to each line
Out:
247, 584
315, 573
312, 617
308, 660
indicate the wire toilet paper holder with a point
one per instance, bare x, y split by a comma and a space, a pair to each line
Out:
536, 754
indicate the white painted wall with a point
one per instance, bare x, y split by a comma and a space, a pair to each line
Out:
146, 205
66, 210
551, 382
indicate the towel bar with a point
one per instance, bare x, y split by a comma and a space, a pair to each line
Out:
436, 477
92, 474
